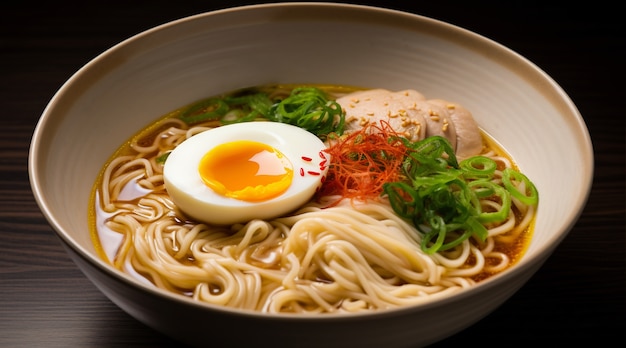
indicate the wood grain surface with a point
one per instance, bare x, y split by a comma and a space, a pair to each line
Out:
577, 297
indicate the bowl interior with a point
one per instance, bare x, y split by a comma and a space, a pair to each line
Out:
157, 71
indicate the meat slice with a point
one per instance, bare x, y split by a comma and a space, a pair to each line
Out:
438, 122
375, 105
469, 141
411, 115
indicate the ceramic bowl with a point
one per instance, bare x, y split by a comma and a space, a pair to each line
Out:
128, 86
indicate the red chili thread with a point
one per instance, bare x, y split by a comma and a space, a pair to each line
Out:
308, 159
301, 171
363, 177
313, 173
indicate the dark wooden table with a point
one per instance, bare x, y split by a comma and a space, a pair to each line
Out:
577, 297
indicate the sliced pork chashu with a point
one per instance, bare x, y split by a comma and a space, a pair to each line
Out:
375, 105
410, 114
469, 141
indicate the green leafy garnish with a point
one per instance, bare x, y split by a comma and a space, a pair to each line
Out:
306, 107
441, 197
162, 158
309, 108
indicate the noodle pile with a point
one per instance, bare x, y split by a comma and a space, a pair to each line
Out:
351, 257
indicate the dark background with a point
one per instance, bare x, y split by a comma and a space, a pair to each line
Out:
577, 297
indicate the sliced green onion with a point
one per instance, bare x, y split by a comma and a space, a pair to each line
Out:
478, 229
306, 107
438, 233
309, 108
204, 110
442, 197
438, 149
162, 158
530, 196
253, 106
242, 108
482, 188
478, 167
505, 207
460, 239
402, 198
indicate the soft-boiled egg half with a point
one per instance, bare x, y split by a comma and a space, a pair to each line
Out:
244, 171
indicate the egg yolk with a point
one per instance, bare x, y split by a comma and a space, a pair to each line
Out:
246, 170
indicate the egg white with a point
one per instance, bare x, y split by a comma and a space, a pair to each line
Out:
199, 202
